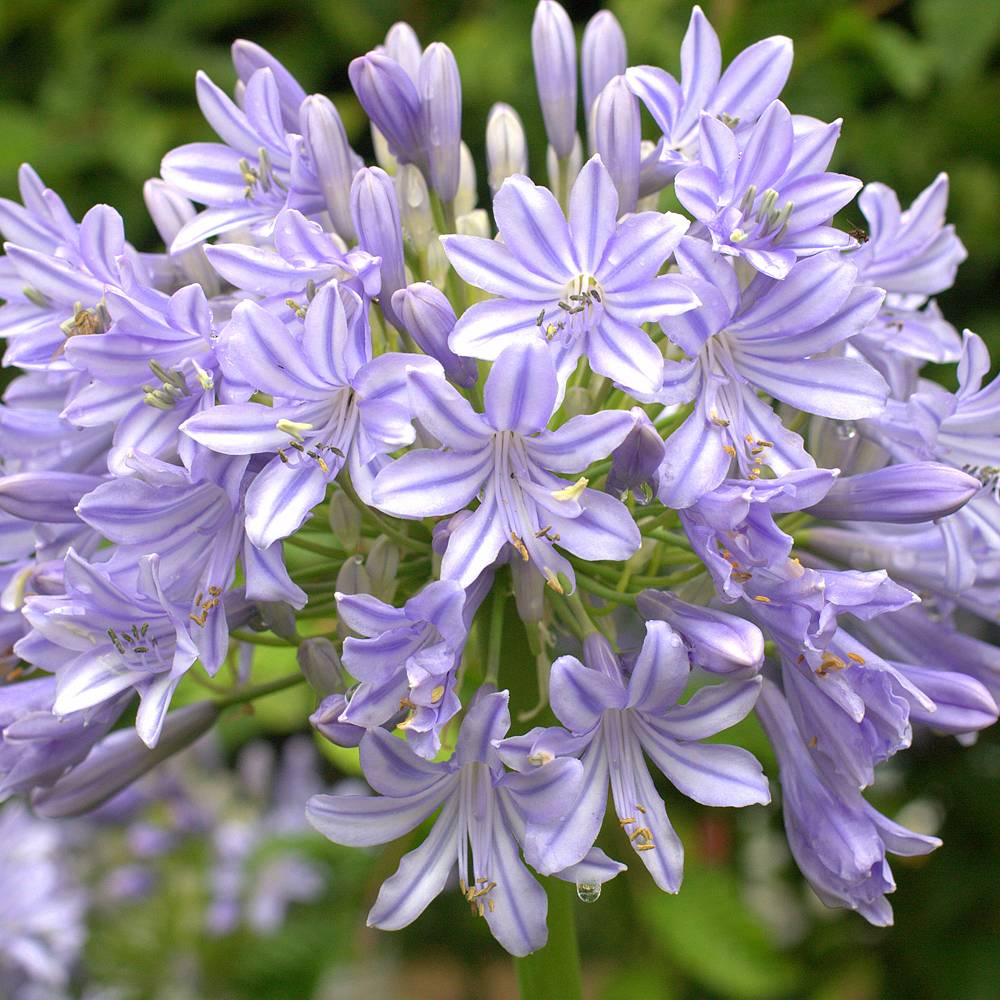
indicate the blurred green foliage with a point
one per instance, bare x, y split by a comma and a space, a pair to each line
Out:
93, 92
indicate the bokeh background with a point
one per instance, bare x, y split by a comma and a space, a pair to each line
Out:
93, 93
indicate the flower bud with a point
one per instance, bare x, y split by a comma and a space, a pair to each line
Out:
440, 88
375, 212
383, 157
617, 140
170, 210
427, 316
334, 160
403, 46
320, 664
474, 223
121, 758
719, 642
345, 521
353, 578
382, 565
506, 145
899, 494
48, 497
415, 206
391, 101
468, 191
573, 166
326, 721
603, 55
279, 617
529, 590
553, 48
636, 461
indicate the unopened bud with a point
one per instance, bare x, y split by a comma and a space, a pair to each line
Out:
506, 145
320, 663
345, 521
603, 55
428, 317
440, 89
391, 101
375, 212
120, 759
618, 138
553, 48
382, 565
403, 45
333, 159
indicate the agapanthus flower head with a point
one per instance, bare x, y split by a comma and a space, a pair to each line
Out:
694, 447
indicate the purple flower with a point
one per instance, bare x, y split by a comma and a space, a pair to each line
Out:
775, 337
406, 661
38, 746
635, 463
912, 255
485, 811
304, 258
765, 196
335, 162
111, 634
331, 404
737, 97
506, 457
716, 641
428, 317
838, 840
258, 169
615, 715
587, 284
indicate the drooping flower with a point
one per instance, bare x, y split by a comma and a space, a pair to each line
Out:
837, 839
586, 285
616, 714
486, 811
507, 458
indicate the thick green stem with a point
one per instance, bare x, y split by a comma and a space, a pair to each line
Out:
242, 695
553, 972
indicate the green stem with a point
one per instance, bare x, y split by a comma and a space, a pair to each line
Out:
599, 590
262, 639
260, 690
553, 972
400, 537
495, 642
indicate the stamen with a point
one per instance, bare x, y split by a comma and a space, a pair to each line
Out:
571, 492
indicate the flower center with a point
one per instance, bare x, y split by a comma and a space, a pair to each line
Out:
761, 217
579, 310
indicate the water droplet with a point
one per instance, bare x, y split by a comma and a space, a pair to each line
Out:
847, 430
589, 892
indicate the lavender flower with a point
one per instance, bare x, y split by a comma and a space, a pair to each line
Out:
614, 715
509, 456
585, 285
508, 808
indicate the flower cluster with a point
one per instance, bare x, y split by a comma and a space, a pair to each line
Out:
684, 463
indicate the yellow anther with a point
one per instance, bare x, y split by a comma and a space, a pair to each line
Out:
762, 599
856, 658
437, 694
571, 492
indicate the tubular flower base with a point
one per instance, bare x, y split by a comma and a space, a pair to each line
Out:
695, 449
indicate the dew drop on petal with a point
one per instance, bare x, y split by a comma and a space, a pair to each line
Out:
847, 430
589, 892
